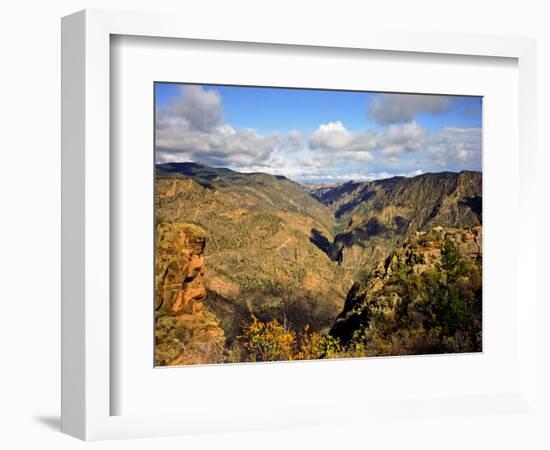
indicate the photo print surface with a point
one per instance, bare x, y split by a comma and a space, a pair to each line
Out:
300, 224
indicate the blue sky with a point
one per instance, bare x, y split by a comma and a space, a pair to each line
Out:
317, 135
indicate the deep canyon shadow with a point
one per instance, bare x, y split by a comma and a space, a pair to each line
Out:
319, 240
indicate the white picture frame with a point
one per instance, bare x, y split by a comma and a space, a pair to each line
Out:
86, 221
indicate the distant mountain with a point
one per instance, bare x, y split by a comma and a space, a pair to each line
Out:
319, 189
328, 193
374, 216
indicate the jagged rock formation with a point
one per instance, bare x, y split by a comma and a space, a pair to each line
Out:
422, 252
433, 277
186, 332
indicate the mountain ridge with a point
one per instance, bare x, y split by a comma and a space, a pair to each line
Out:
375, 213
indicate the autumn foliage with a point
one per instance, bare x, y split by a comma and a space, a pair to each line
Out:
272, 341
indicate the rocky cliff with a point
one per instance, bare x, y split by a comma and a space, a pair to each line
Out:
186, 332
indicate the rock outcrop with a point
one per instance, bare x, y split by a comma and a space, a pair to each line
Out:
423, 251
186, 332
403, 288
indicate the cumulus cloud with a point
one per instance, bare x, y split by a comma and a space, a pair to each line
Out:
387, 109
334, 137
331, 136
195, 108
191, 128
397, 138
455, 145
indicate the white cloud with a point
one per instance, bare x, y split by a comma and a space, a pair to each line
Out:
167, 157
334, 137
387, 109
331, 136
453, 145
195, 108
397, 138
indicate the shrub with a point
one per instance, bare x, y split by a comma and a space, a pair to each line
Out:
267, 341
316, 346
271, 341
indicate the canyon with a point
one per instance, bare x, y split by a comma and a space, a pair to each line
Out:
234, 246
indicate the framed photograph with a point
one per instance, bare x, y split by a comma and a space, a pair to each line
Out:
315, 238
284, 223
